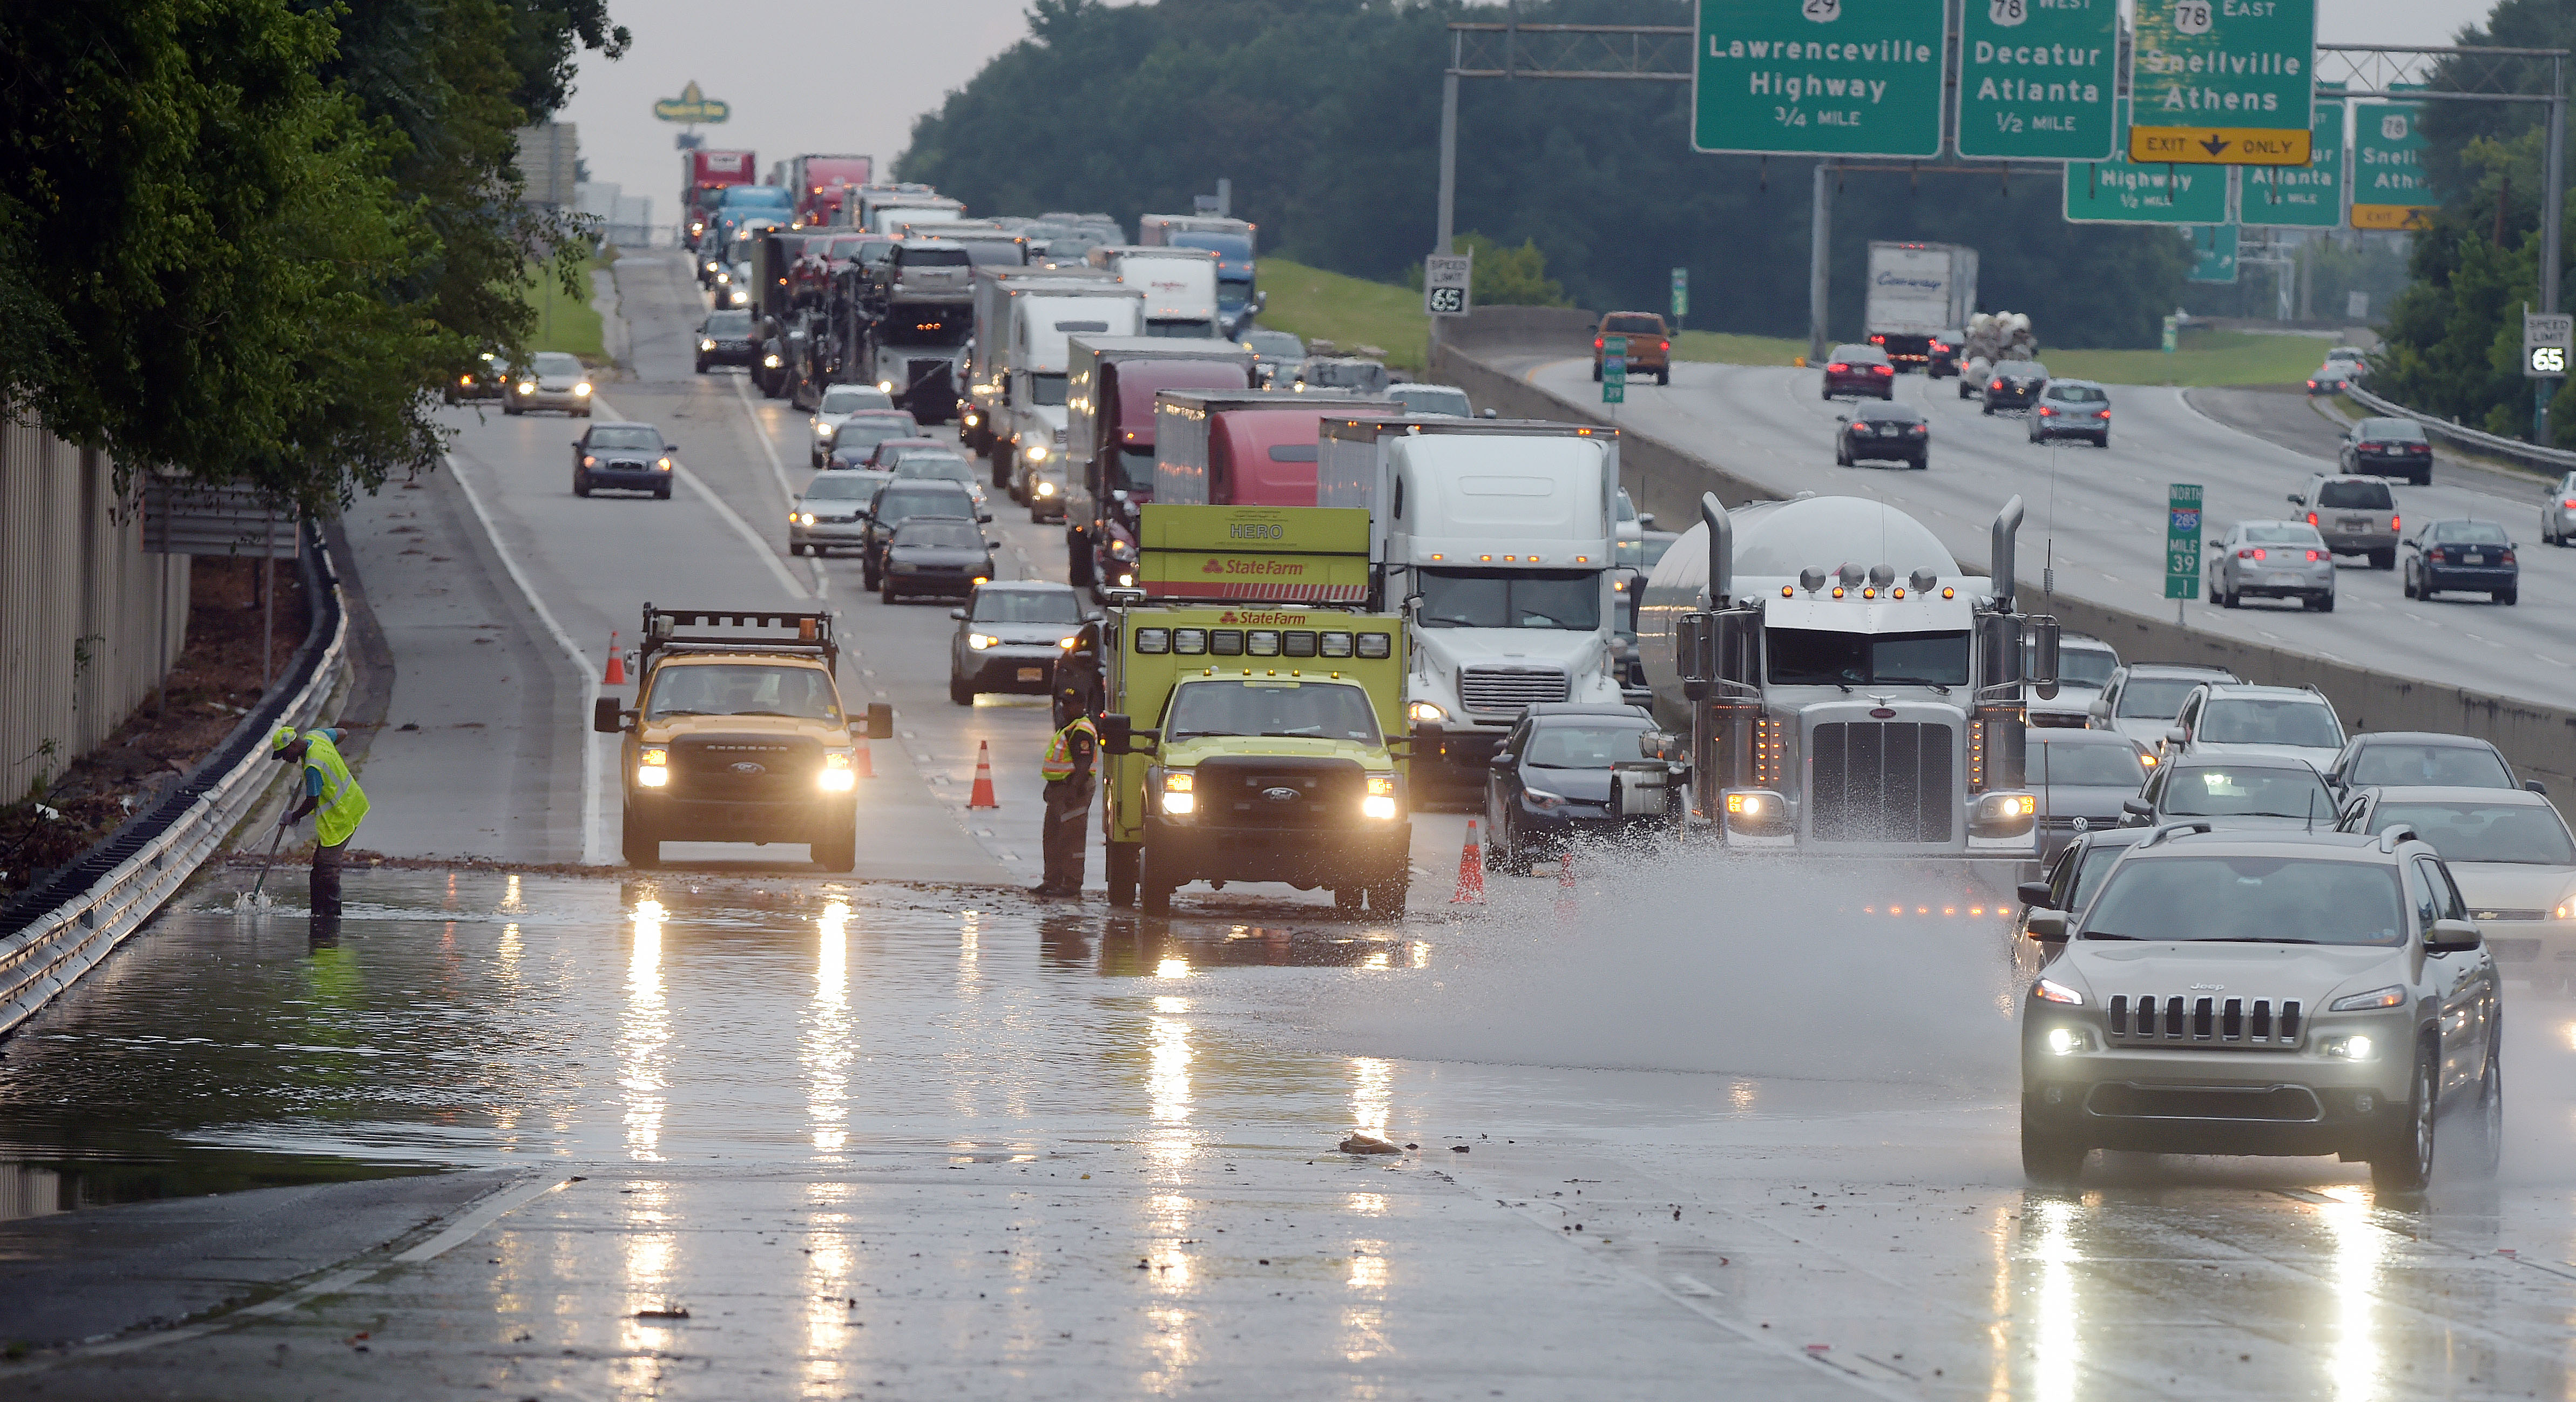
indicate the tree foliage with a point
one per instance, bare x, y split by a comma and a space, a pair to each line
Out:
1326, 115
248, 239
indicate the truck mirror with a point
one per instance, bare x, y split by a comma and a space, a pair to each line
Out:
1117, 734
604, 716
880, 721
1493, 413
1645, 520
1691, 652
2043, 638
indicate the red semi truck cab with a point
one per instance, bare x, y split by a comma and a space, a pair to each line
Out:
822, 182
1258, 448
703, 173
1109, 431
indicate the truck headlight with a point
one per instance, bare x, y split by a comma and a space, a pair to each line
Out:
653, 768
1380, 802
1046, 489
2002, 815
822, 429
1421, 711
981, 641
1756, 812
1037, 452
1177, 795
1121, 550
972, 419
886, 385
837, 776
769, 362
803, 518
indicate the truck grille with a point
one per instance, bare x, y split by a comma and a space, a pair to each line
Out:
2203, 1020
1508, 689
2130, 1101
1881, 781
1279, 791
744, 768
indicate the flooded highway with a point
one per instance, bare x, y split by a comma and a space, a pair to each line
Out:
701, 1136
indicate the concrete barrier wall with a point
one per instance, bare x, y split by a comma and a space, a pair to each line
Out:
1498, 328
88, 622
2540, 741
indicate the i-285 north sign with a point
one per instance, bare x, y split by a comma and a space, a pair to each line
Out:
1818, 77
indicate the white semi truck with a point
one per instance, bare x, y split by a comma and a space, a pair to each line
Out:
1037, 322
1850, 691
1179, 286
980, 396
1918, 292
1494, 538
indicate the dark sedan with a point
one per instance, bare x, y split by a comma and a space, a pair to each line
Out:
1883, 433
1945, 353
1549, 782
2388, 448
2333, 377
724, 338
2232, 792
2082, 777
1860, 370
2015, 384
854, 442
944, 556
2473, 557
622, 457
899, 502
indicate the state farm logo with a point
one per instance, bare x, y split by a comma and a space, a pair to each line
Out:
1213, 567
1291, 619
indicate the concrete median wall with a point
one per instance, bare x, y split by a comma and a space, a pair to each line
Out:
1667, 480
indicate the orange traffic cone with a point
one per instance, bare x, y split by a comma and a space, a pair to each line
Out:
1565, 869
982, 797
859, 764
616, 664
1471, 870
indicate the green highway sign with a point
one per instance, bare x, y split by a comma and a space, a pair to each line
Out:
2213, 252
1614, 369
1681, 293
2121, 191
2389, 188
2037, 79
1818, 77
2223, 82
2300, 197
2182, 541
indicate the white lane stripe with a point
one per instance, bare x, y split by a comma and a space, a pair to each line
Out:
490, 1210
741, 527
591, 837
777, 469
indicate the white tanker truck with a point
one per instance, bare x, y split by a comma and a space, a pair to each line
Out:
1848, 690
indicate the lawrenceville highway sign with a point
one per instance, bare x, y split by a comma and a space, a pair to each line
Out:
1818, 77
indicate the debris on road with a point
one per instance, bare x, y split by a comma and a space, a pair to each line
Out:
1363, 1142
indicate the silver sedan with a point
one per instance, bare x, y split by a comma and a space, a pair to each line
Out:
831, 512
2273, 560
2558, 513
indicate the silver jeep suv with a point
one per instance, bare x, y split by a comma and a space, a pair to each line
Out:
2262, 993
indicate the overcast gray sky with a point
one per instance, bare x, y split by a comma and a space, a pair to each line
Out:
830, 75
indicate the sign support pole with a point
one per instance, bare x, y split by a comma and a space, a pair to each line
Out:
1820, 242
1448, 182
2553, 212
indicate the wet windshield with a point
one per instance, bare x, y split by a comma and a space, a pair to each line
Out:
2263, 899
734, 690
1368, 377
951, 256
2156, 698
945, 467
844, 487
1809, 657
1309, 710
1583, 746
1511, 599
894, 506
2103, 766
2356, 496
555, 363
2097, 864
729, 324
1274, 345
954, 535
2250, 722
1047, 389
629, 436
1433, 399
849, 399
2451, 766
1027, 606
2484, 832
2240, 792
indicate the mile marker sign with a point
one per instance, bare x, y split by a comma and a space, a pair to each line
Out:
1446, 279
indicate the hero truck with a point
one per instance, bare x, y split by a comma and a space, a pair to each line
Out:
1494, 538
1918, 292
1254, 732
1233, 241
737, 734
1848, 689
819, 183
1248, 448
1110, 385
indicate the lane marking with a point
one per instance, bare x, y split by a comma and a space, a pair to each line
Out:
492, 1209
778, 470
592, 839
734, 519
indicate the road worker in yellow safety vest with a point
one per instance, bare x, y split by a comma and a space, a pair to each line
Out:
1069, 788
334, 799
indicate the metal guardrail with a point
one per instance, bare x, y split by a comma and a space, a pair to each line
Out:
2510, 449
163, 848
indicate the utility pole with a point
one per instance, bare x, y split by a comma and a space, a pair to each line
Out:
1820, 242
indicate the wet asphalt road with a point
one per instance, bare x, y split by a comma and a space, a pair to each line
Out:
879, 1142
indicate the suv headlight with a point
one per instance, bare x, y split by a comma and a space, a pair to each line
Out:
822, 429
2354, 1047
2050, 990
1046, 489
705, 344
981, 641
1178, 796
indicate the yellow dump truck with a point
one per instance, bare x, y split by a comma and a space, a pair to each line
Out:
737, 734
1254, 719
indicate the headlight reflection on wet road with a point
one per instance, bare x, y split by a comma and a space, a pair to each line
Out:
644, 1030
829, 1046
2354, 1366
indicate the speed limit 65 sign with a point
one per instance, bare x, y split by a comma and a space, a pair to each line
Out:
1445, 279
2548, 338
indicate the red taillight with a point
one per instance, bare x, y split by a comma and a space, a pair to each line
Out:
2508, 557
2046, 412
2101, 413
1596, 343
2570, 503
2314, 556
1663, 345
1878, 340
1836, 368
1996, 385
2254, 552
2312, 518
2392, 522
1882, 369
2312, 384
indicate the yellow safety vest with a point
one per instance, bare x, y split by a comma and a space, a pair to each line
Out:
343, 803
1059, 755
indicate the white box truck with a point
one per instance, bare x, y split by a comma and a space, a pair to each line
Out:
1494, 538
1179, 286
981, 393
1038, 325
1917, 292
